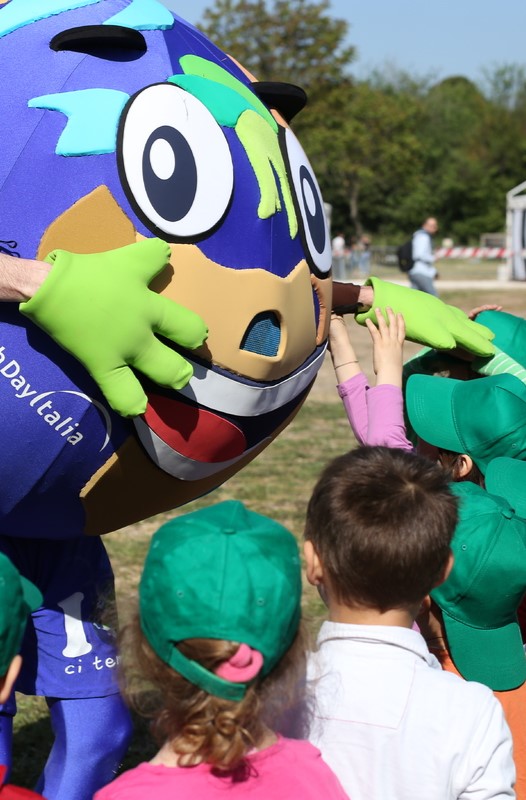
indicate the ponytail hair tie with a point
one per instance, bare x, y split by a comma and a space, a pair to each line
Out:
242, 667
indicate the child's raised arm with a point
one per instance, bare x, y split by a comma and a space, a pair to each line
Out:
344, 360
388, 347
375, 415
352, 383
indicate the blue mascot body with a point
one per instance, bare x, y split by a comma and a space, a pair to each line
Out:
121, 123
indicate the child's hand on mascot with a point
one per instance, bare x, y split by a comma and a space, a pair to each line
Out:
99, 308
428, 320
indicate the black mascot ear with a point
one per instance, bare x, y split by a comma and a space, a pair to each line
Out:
286, 98
100, 40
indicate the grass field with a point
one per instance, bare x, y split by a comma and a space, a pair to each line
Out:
448, 269
278, 484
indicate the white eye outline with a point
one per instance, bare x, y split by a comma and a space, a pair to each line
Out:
308, 203
207, 173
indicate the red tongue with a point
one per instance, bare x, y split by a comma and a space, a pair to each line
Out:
195, 433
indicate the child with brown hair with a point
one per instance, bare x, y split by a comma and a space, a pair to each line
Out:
388, 720
209, 658
464, 425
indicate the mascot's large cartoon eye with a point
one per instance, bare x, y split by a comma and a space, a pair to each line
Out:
309, 205
175, 163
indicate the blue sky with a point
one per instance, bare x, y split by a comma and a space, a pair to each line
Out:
450, 37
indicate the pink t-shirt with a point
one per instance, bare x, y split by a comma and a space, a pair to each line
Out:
287, 770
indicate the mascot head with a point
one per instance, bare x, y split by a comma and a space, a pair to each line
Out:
121, 121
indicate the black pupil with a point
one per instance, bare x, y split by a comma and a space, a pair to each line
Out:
315, 221
171, 197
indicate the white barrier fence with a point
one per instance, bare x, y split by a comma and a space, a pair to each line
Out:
476, 252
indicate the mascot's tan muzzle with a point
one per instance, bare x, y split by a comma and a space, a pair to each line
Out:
230, 300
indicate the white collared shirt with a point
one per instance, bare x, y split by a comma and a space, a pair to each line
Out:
394, 726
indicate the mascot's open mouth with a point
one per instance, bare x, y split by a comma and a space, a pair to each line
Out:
218, 418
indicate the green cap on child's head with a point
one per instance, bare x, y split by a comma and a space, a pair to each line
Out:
506, 477
223, 572
510, 333
480, 598
18, 598
485, 418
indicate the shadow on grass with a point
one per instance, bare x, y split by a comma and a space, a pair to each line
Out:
32, 742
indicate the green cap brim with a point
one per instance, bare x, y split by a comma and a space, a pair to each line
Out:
429, 406
494, 657
32, 596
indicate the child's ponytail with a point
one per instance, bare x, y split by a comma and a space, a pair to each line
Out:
199, 726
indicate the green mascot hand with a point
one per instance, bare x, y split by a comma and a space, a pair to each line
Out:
99, 308
428, 320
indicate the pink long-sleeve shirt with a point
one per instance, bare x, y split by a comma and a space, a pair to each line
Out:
376, 414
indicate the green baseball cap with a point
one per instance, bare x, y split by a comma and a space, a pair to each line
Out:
432, 362
18, 598
222, 572
479, 600
506, 478
484, 418
510, 333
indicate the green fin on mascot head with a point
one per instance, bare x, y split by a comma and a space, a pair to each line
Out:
184, 318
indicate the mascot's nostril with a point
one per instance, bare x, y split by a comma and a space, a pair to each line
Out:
263, 335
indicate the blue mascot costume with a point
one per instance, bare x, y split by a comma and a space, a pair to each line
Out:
179, 330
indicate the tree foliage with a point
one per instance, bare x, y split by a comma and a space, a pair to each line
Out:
393, 148
366, 156
289, 40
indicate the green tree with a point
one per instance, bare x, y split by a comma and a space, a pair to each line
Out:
503, 135
365, 151
454, 171
475, 151
286, 40
504, 85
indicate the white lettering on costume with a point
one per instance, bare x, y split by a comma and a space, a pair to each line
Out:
76, 642
98, 664
43, 402
73, 669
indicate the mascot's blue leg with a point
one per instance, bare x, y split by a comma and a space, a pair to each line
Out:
6, 740
69, 657
91, 738
7, 713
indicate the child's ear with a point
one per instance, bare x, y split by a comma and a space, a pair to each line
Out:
7, 682
423, 611
425, 605
447, 569
313, 568
464, 465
